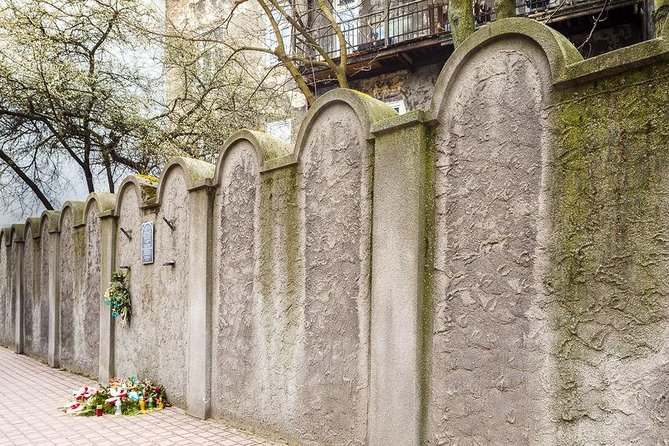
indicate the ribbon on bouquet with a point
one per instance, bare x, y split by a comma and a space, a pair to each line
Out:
84, 393
74, 407
116, 393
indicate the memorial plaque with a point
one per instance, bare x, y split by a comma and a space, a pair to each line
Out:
147, 243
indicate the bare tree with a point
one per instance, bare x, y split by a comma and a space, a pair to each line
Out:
282, 31
83, 94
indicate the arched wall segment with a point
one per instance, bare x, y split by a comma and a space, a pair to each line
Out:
145, 191
366, 109
48, 241
275, 326
50, 258
171, 271
34, 303
266, 147
240, 349
196, 174
88, 301
78, 348
557, 50
334, 196
104, 203
492, 150
6, 297
129, 339
76, 213
16, 248
49, 221
34, 225
160, 354
17, 232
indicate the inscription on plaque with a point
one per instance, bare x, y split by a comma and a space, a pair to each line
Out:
147, 243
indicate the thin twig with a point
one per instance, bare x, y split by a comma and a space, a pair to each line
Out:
594, 25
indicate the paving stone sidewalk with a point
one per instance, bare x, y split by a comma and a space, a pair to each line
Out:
31, 392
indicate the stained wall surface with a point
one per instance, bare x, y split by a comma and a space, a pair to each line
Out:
534, 301
291, 286
6, 300
170, 285
239, 347
88, 300
130, 339
609, 296
153, 345
486, 348
14, 283
35, 328
43, 262
78, 310
334, 197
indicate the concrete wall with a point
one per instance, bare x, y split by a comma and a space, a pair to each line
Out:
239, 358
608, 295
334, 196
170, 289
36, 316
6, 297
486, 352
490, 271
130, 340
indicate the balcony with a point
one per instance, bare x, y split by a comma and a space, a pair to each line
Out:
412, 33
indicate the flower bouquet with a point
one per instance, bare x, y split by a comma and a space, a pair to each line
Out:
117, 296
128, 397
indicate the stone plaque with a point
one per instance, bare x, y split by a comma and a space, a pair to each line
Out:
147, 243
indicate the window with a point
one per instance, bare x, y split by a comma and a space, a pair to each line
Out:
346, 14
398, 105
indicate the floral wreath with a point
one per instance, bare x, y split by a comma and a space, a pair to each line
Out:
117, 296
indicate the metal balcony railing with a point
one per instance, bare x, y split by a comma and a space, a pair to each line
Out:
403, 22
382, 28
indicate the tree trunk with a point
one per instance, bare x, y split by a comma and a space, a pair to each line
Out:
108, 170
89, 179
461, 18
505, 9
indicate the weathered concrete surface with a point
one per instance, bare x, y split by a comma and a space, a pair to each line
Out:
273, 345
540, 268
88, 300
609, 297
334, 193
68, 258
487, 360
129, 340
170, 284
43, 259
154, 343
239, 355
17, 285
78, 309
6, 295
400, 305
34, 300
